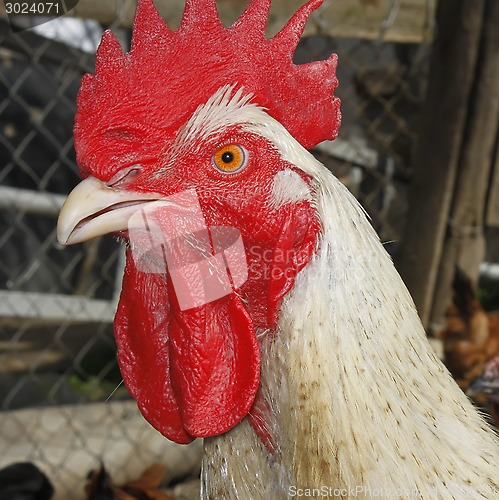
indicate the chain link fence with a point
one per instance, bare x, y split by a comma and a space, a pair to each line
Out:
62, 403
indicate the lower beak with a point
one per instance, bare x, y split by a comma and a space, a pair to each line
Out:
94, 209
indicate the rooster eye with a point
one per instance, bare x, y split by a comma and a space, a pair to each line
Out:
230, 158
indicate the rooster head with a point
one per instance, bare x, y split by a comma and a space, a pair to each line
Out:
197, 132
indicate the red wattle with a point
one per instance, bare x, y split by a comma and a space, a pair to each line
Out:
193, 373
215, 365
141, 331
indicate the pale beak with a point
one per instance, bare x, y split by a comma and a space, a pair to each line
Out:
94, 209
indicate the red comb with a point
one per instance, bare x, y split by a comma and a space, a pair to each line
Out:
167, 74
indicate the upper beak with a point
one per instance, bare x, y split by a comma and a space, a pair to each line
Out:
94, 209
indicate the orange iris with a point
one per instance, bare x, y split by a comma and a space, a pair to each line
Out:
230, 158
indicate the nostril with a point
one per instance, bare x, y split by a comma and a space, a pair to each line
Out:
124, 175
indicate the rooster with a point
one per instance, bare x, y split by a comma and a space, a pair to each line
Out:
314, 370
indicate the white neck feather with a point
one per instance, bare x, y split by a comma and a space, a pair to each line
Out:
367, 401
359, 400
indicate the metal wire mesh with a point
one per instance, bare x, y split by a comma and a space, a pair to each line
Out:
382, 87
57, 353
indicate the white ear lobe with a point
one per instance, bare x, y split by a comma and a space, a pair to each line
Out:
289, 187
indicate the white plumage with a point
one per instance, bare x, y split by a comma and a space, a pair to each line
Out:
358, 399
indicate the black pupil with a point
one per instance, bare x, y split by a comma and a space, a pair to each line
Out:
228, 157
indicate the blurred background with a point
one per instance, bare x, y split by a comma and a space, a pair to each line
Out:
418, 146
